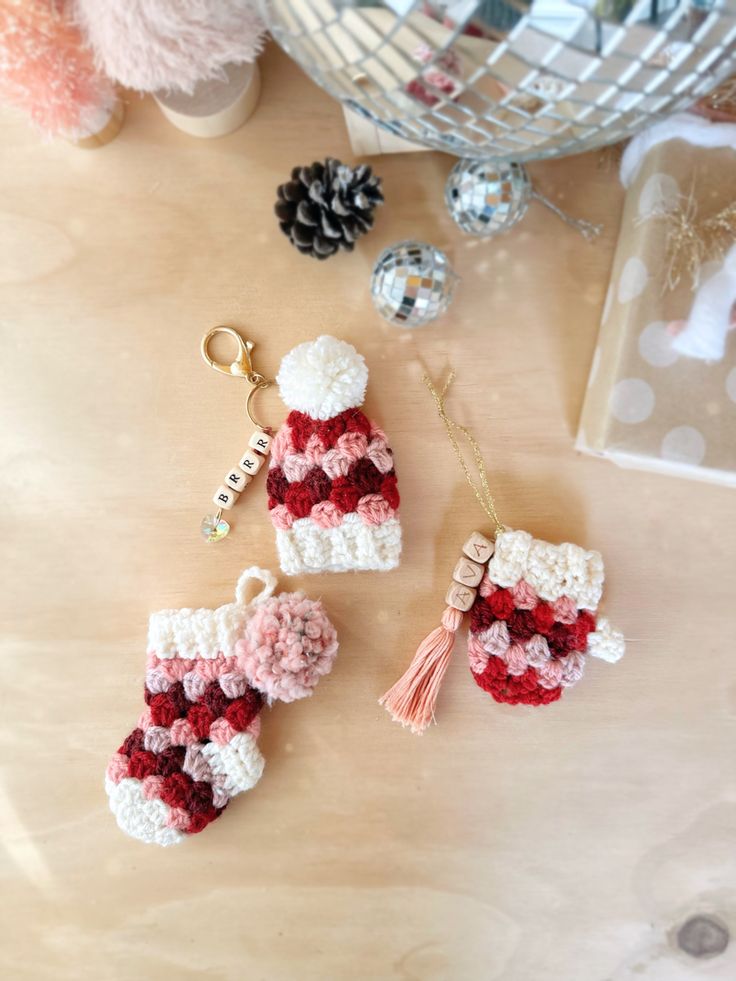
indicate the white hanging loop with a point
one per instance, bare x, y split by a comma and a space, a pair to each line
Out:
263, 575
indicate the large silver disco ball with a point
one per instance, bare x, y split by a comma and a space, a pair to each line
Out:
513, 79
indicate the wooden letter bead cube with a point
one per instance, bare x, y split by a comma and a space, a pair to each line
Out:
260, 442
460, 597
225, 497
251, 462
236, 479
478, 548
468, 573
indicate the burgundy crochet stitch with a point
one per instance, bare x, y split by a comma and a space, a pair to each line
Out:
537, 618
314, 438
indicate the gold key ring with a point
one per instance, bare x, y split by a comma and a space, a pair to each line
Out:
241, 367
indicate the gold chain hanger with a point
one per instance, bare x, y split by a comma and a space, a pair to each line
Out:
482, 492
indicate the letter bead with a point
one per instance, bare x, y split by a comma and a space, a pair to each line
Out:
460, 597
478, 548
260, 442
251, 462
225, 497
236, 479
467, 572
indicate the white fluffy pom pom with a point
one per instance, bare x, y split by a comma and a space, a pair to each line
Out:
323, 378
151, 45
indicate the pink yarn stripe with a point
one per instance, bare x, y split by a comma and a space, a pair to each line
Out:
210, 668
373, 509
281, 446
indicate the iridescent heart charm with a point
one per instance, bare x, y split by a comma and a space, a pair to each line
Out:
214, 528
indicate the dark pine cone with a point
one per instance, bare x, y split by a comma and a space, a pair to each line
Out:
327, 206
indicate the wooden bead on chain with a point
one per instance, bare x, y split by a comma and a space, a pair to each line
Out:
225, 497
460, 597
468, 573
236, 479
478, 548
261, 442
251, 462
239, 477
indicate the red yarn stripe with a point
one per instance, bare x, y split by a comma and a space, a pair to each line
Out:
562, 639
178, 789
363, 477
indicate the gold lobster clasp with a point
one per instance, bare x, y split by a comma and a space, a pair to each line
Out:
240, 367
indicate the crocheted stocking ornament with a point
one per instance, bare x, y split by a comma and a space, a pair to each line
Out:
532, 614
332, 493
194, 747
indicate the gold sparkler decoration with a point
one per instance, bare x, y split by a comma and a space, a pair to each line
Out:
692, 241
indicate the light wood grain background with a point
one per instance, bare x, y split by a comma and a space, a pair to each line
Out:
560, 844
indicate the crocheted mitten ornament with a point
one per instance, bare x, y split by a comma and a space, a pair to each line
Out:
533, 620
208, 673
332, 493
532, 610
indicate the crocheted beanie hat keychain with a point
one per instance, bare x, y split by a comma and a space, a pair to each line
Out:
332, 492
208, 674
532, 609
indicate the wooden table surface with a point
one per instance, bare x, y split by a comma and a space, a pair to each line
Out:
567, 843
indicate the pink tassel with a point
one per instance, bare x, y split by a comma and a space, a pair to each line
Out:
412, 699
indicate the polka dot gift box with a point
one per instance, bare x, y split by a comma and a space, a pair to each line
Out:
662, 389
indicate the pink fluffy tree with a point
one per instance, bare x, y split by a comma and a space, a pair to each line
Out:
48, 72
154, 45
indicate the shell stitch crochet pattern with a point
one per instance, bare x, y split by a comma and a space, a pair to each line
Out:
194, 746
533, 620
332, 491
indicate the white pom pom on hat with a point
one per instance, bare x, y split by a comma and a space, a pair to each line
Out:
323, 378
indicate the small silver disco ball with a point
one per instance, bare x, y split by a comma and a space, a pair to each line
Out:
412, 283
487, 197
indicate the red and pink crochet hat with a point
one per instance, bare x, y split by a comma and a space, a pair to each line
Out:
332, 492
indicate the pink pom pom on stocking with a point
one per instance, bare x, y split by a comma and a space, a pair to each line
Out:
289, 645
